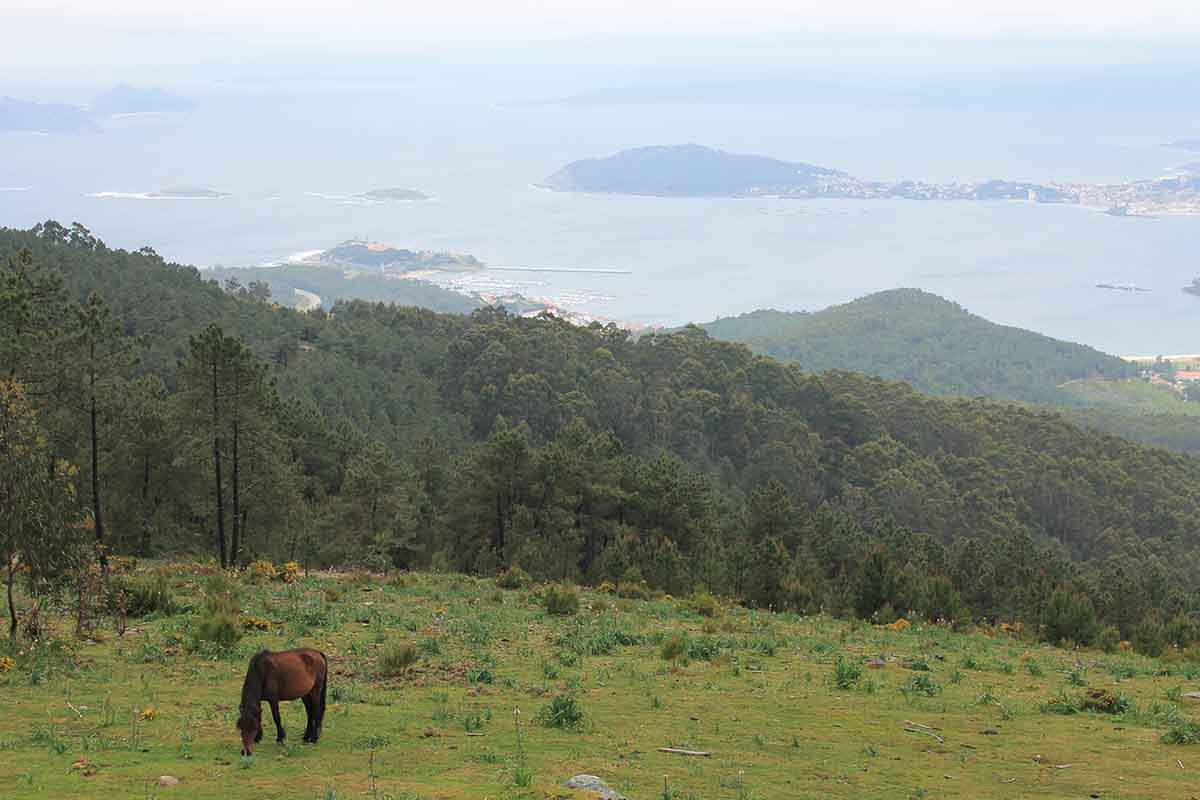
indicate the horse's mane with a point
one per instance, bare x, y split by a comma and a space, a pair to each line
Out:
252, 687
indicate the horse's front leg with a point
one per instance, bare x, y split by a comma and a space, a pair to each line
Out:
278, 722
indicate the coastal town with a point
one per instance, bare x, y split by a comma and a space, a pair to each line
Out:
1175, 193
1179, 373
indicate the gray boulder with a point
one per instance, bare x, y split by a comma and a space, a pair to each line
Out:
590, 783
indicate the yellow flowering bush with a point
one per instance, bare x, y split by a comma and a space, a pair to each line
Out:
262, 570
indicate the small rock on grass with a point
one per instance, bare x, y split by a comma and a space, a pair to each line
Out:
590, 783
168, 780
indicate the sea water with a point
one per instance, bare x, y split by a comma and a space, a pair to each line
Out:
294, 162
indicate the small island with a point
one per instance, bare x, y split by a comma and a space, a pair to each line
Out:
395, 195
388, 260
691, 170
1194, 288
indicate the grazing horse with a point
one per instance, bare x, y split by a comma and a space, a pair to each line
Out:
286, 675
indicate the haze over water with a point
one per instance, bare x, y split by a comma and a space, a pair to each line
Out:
292, 159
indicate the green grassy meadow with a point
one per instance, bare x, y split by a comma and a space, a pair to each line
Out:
787, 706
1129, 395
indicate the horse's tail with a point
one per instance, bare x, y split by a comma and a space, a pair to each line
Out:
324, 686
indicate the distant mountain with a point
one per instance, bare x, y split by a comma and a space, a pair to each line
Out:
126, 99
1192, 145
688, 170
918, 337
23, 115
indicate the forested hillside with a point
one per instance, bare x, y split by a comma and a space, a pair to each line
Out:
920, 338
378, 434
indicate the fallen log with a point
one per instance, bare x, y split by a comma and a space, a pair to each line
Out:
679, 752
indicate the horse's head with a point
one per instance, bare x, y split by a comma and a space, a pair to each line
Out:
250, 725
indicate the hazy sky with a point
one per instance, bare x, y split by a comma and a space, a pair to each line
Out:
69, 33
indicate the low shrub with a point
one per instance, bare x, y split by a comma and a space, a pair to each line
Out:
221, 630
262, 570
846, 674
703, 648
634, 590
1063, 704
513, 578
1109, 639
220, 624
563, 711
704, 604
1104, 701
1182, 731
560, 601
673, 646
923, 684
146, 596
397, 658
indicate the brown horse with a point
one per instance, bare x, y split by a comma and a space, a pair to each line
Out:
286, 675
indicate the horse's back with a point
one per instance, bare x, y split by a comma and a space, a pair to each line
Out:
296, 672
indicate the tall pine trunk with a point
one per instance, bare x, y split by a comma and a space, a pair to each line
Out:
97, 516
219, 484
144, 544
12, 608
235, 545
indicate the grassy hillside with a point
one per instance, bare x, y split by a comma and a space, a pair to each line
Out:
787, 706
931, 343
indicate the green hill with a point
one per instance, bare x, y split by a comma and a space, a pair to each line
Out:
931, 343
940, 348
377, 434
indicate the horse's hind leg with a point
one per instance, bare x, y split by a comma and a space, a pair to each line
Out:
310, 709
278, 722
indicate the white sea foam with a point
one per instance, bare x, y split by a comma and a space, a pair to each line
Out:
303, 256
14, 188
151, 196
